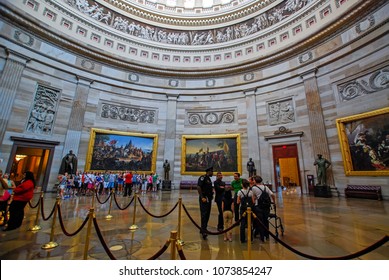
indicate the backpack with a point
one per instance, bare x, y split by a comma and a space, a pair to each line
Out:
246, 201
264, 200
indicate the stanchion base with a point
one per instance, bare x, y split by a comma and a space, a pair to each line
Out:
108, 217
49, 245
35, 228
133, 227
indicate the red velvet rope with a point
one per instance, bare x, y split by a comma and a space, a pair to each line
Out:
155, 216
63, 226
117, 204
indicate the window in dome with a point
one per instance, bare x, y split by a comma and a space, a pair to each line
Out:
189, 4
207, 3
171, 3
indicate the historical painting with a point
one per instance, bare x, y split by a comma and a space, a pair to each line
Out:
364, 140
222, 152
120, 151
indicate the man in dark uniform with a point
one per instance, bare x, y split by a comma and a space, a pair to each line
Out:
219, 194
204, 188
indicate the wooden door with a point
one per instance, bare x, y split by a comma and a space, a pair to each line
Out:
286, 167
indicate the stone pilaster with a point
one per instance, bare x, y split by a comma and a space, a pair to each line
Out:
316, 119
252, 131
9, 83
76, 121
170, 135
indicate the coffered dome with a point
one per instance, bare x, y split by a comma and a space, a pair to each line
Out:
188, 38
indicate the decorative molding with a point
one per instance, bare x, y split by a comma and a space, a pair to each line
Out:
210, 83
282, 130
23, 38
87, 64
126, 113
365, 24
133, 77
43, 111
287, 134
305, 57
174, 83
211, 118
367, 84
248, 77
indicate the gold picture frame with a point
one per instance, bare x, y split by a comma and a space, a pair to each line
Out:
222, 152
364, 141
110, 150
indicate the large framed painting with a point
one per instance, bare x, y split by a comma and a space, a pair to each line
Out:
364, 140
120, 151
202, 151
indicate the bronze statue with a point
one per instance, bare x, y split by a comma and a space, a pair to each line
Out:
322, 165
166, 168
69, 164
251, 167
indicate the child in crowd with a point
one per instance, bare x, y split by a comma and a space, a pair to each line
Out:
228, 209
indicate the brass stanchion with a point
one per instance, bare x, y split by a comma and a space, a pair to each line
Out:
52, 244
93, 198
86, 248
37, 227
109, 216
249, 232
134, 226
179, 240
173, 240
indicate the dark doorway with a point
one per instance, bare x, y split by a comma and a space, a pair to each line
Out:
286, 166
31, 155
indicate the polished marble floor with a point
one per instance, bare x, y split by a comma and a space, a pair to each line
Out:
321, 227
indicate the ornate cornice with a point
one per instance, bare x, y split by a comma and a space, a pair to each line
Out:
193, 19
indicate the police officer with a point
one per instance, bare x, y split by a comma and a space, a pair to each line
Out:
205, 190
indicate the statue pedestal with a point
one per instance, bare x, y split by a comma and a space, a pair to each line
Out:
322, 191
166, 185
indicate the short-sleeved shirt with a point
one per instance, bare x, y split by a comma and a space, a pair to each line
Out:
257, 191
237, 185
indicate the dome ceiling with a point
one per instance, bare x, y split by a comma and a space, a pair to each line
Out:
196, 8
237, 37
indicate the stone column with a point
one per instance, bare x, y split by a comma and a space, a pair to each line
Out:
316, 119
9, 83
170, 131
252, 132
76, 121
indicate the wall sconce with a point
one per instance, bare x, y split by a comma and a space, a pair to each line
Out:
20, 157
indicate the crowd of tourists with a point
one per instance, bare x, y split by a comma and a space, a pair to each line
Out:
124, 183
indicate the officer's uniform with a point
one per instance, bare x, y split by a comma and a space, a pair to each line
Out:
205, 191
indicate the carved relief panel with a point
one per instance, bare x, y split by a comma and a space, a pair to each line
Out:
281, 111
127, 113
367, 84
43, 111
210, 117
